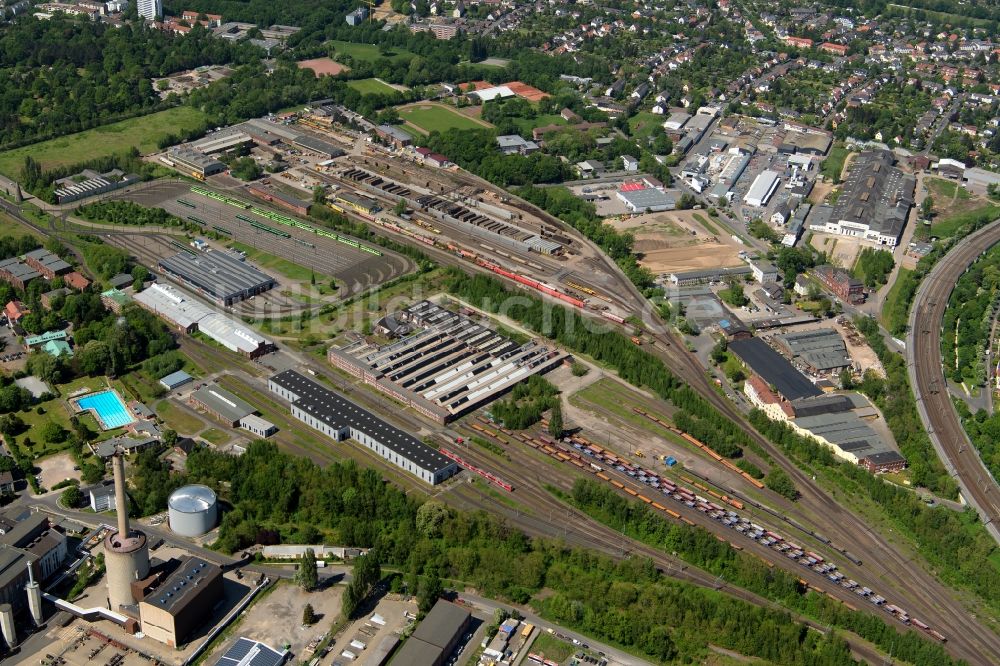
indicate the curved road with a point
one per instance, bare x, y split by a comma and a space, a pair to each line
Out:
923, 359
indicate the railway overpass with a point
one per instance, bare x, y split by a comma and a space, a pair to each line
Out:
930, 388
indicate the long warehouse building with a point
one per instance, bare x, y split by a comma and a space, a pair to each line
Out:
218, 275
448, 366
340, 419
188, 315
763, 187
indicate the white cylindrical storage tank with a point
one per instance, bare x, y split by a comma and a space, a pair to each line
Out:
193, 510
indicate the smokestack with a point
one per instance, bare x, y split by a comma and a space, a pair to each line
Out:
121, 501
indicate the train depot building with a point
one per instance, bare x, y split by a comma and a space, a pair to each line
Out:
220, 276
447, 366
340, 419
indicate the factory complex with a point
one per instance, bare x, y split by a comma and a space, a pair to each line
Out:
340, 419
188, 315
224, 278
442, 363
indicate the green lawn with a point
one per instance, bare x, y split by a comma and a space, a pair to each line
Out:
644, 123
367, 52
551, 647
528, 124
437, 118
215, 436
834, 163
948, 226
371, 87
178, 419
703, 221
940, 188
290, 270
11, 227
143, 133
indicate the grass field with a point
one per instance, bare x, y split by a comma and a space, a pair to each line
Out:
892, 319
644, 123
551, 647
178, 419
371, 87
528, 124
290, 270
834, 163
143, 133
368, 52
437, 118
11, 227
948, 226
945, 189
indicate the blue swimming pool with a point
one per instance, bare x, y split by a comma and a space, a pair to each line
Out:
108, 407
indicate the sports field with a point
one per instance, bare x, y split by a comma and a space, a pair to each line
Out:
438, 118
143, 133
367, 52
371, 87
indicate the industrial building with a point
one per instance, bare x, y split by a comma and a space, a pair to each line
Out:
449, 366
848, 288
44, 545
703, 275
90, 183
339, 419
221, 276
176, 380
395, 136
189, 316
17, 273
294, 204
774, 368
436, 637
198, 164
178, 606
647, 200
230, 409
874, 202
762, 188
192, 510
820, 350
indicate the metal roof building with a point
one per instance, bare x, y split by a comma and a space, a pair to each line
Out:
451, 365
436, 636
222, 403
822, 350
189, 315
175, 380
774, 369
179, 605
763, 187
339, 418
647, 200
220, 275
245, 652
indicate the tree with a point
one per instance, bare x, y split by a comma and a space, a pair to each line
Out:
927, 207
306, 577
308, 615
71, 497
556, 421
400, 207
430, 516
52, 433
170, 437
430, 591
778, 481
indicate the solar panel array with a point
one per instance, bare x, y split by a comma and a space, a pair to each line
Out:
246, 652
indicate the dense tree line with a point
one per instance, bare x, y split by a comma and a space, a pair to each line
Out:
67, 74
627, 603
893, 396
984, 431
123, 212
699, 547
960, 555
967, 325
40, 183
476, 151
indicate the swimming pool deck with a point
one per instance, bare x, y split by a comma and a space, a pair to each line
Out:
96, 410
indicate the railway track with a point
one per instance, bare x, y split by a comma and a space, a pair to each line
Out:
923, 356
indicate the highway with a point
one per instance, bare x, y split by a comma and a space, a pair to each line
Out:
923, 358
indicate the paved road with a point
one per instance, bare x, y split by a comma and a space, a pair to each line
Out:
923, 351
